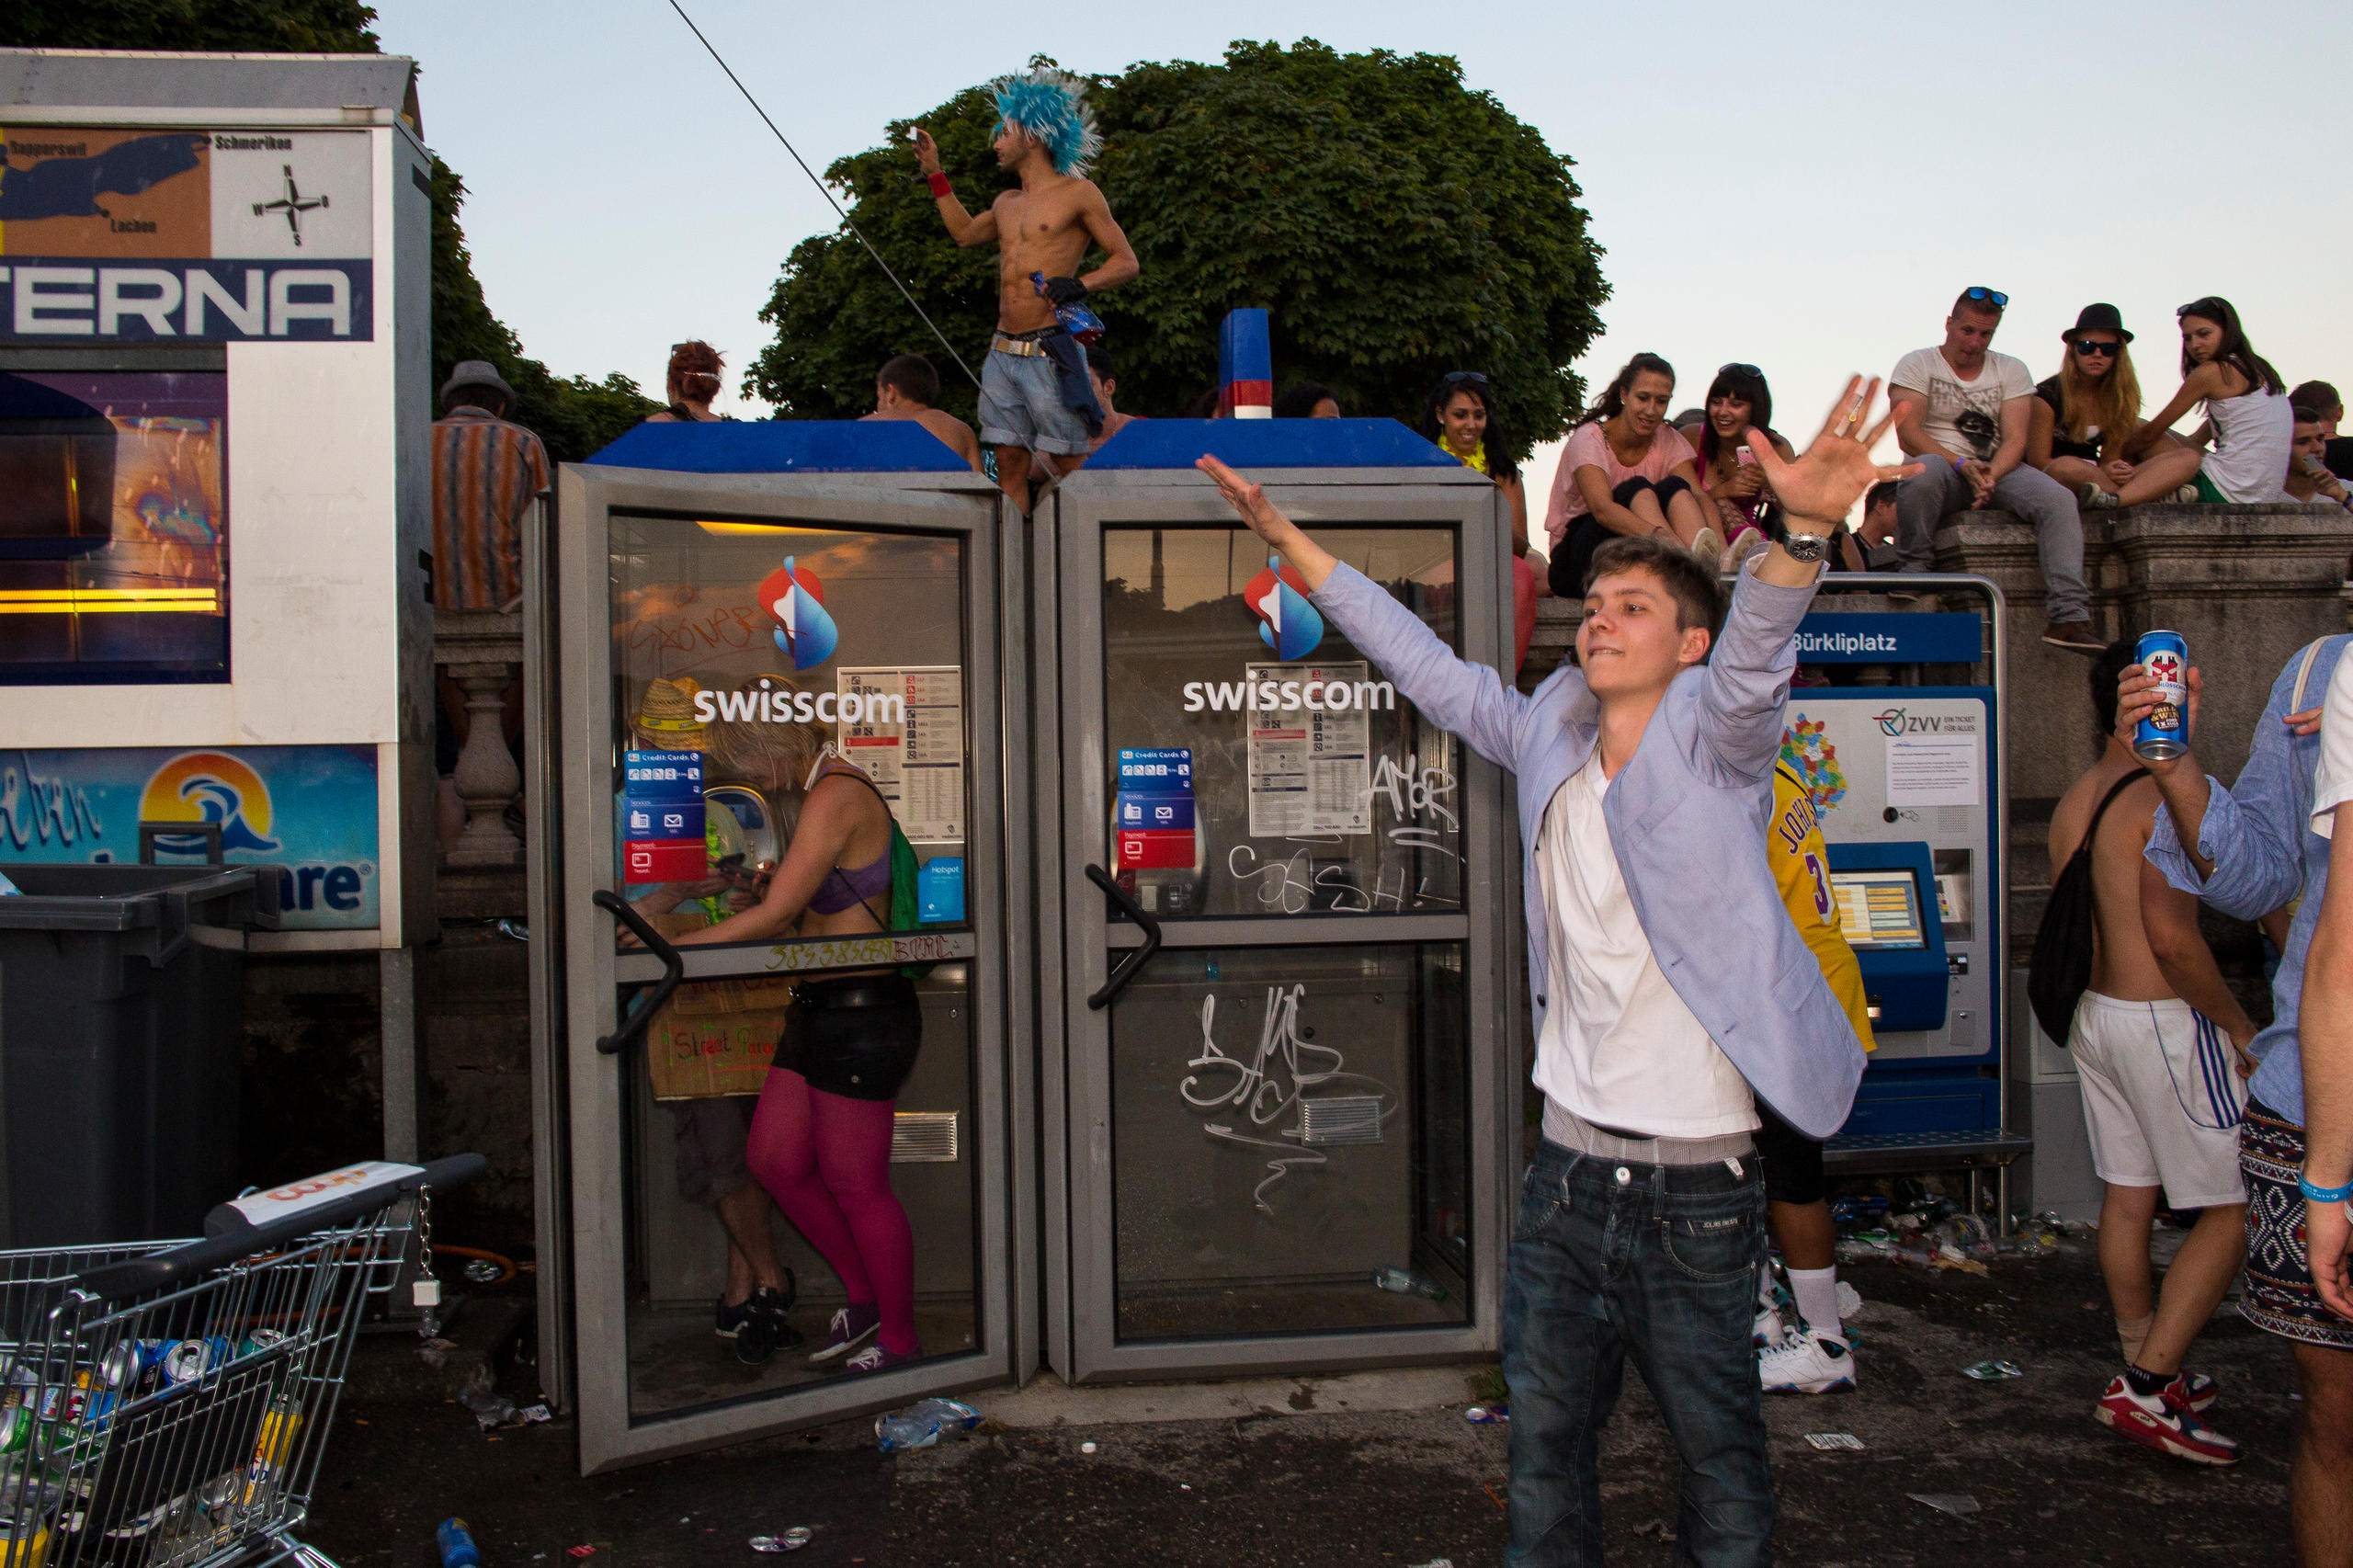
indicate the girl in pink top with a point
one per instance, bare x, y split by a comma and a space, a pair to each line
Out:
1626, 471
1738, 399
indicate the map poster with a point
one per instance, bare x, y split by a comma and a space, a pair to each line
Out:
917, 759
1310, 766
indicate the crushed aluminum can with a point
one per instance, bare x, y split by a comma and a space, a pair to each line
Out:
1487, 1414
792, 1540
1993, 1371
1835, 1442
482, 1271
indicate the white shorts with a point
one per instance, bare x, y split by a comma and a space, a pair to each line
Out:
2162, 1099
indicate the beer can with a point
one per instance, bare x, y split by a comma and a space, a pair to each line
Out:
16, 1423
2162, 733
24, 1543
127, 1364
259, 1340
192, 1358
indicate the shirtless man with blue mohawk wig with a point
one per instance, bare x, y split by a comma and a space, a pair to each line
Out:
1034, 393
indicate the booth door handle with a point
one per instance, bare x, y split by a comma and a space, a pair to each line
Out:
1136, 957
674, 970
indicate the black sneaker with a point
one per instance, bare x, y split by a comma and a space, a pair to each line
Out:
749, 1329
773, 1306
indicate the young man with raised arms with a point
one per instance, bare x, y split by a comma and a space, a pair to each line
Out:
1034, 392
1671, 990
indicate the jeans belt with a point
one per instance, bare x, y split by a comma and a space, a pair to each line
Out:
821, 997
1024, 345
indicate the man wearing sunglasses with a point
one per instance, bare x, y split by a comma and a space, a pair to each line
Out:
1965, 410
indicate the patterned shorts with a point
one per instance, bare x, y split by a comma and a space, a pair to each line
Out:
2279, 1296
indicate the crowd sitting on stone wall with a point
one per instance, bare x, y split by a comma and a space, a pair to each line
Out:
1993, 437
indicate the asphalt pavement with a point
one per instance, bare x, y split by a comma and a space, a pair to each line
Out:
1385, 1469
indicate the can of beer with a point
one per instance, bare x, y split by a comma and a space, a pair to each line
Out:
259, 1340
16, 1423
2162, 733
24, 1543
127, 1364
192, 1358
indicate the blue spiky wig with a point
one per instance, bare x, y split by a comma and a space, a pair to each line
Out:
1052, 106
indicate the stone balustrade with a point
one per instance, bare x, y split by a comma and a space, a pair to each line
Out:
482, 652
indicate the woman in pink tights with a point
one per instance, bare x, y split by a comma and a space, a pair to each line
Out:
821, 1139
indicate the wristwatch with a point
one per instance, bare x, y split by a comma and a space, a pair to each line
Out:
1805, 548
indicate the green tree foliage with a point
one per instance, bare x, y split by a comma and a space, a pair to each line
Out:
574, 416
261, 27
1395, 224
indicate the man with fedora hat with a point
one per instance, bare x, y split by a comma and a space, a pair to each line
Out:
485, 471
2086, 414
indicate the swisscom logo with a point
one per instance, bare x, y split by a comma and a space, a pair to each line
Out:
1286, 622
804, 628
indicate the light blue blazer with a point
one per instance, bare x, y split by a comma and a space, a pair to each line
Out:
1686, 819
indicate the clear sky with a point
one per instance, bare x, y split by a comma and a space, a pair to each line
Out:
1803, 186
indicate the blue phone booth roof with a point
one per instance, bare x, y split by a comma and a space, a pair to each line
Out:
1269, 443
784, 446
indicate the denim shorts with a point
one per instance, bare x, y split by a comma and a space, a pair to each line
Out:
1021, 406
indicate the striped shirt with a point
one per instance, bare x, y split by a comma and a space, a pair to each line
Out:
485, 473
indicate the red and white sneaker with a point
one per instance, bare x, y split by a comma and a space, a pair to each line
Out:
2195, 1389
2162, 1423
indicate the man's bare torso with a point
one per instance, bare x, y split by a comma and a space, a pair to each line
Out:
2122, 965
1040, 231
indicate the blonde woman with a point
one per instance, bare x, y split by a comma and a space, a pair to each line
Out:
2081, 418
821, 1138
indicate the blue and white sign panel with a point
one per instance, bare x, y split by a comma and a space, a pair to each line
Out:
1831, 638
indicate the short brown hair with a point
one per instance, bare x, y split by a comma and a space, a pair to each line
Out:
2318, 396
915, 376
1985, 307
1699, 597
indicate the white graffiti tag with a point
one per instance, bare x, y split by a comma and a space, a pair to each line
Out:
1267, 1085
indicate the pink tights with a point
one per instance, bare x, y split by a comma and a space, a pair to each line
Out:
826, 1160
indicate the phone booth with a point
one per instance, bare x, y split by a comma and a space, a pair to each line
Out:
718, 607
1903, 752
1279, 1031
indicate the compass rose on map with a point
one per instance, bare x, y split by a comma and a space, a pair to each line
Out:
293, 204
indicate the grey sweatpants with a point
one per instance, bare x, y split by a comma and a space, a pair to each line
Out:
1930, 497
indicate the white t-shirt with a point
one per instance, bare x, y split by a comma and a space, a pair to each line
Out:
2333, 779
1619, 1048
1963, 417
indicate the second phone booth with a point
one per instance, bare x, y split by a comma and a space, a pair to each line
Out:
717, 606
1278, 996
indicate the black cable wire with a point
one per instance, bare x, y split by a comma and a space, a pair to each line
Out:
824, 192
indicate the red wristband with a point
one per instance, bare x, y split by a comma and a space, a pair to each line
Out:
939, 183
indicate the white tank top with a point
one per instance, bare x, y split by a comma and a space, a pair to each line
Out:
2252, 433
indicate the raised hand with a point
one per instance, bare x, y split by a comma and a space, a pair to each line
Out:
1310, 559
2136, 694
926, 152
1831, 474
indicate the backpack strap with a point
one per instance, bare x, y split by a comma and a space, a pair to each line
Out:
2305, 673
2107, 800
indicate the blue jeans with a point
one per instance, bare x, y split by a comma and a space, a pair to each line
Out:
1658, 1262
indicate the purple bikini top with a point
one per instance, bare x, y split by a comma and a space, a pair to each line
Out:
849, 886
852, 886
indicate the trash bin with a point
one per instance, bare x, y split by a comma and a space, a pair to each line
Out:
121, 1005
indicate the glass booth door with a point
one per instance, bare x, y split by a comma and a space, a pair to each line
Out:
1282, 1059
723, 638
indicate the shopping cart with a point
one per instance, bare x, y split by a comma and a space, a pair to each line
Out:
166, 1404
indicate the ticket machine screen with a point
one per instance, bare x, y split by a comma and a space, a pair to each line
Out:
1879, 910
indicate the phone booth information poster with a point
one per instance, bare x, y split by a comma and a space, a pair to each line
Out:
909, 738
1310, 766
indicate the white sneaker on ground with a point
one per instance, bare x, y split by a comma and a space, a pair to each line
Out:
1767, 1333
1809, 1361
1708, 548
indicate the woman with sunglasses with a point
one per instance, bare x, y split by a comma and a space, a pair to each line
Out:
2248, 417
1626, 471
1729, 474
2083, 417
1460, 419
